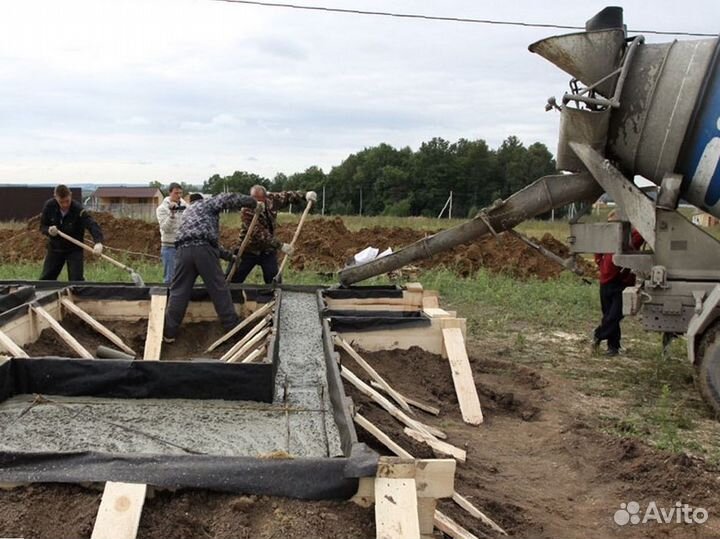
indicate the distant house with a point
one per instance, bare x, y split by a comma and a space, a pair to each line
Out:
139, 202
23, 202
704, 219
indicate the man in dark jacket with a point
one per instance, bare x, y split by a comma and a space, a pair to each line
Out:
62, 213
263, 245
198, 252
613, 280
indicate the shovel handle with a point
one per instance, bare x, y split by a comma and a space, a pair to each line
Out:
88, 248
260, 207
308, 207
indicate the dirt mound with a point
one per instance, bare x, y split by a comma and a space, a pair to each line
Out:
325, 244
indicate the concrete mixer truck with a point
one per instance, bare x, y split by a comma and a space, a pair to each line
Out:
633, 109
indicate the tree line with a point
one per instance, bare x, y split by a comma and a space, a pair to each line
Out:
383, 180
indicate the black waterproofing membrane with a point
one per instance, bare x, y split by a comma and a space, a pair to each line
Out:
303, 478
13, 297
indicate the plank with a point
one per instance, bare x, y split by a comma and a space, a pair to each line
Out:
156, 324
381, 436
252, 356
246, 338
463, 502
412, 402
250, 345
430, 302
389, 407
462, 376
426, 515
396, 510
397, 397
449, 527
437, 445
118, 516
10, 345
435, 312
71, 341
262, 311
97, 326
414, 287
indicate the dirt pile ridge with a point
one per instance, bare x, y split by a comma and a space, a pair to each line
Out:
324, 245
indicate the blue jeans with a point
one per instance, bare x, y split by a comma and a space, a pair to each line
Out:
168, 259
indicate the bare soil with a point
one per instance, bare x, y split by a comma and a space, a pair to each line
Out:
539, 465
191, 342
325, 244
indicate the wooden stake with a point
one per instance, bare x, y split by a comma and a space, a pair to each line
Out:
248, 336
97, 326
251, 344
448, 526
462, 376
393, 410
156, 325
463, 502
396, 508
262, 311
397, 397
258, 352
381, 436
412, 402
437, 445
119, 513
62, 332
10, 345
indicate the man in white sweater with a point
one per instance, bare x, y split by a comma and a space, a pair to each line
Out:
169, 215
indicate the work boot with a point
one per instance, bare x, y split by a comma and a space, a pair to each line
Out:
595, 344
168, 340
612, 352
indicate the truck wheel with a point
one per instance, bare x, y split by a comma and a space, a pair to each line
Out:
707, 367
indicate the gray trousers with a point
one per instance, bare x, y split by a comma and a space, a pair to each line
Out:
191, 261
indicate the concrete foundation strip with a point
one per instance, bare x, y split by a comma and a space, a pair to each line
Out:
397, 397
442, 522
97, 326
262, 311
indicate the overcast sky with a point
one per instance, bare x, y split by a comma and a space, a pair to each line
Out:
131, 91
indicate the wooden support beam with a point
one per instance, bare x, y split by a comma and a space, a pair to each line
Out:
438, 446
119, 513
430, 302
250, 345
436, 312
449, 527
381, 436
463, 502
10, 345
156, 325
262, 311
246, 338
396, 509
97, 326
397, 397
71, 341
412, 402
462, 376
426, 516
393, 410
252, 356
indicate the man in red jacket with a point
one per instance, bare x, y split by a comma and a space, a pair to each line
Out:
613, 280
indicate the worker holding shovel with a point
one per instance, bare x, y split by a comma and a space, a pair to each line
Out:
62, 214
263, 246
198, 254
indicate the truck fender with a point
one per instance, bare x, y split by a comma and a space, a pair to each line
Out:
700, 322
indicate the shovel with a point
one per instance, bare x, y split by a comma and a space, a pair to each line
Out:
308, 207
234, 265
135, 276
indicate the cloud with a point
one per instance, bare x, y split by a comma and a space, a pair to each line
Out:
100, 90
